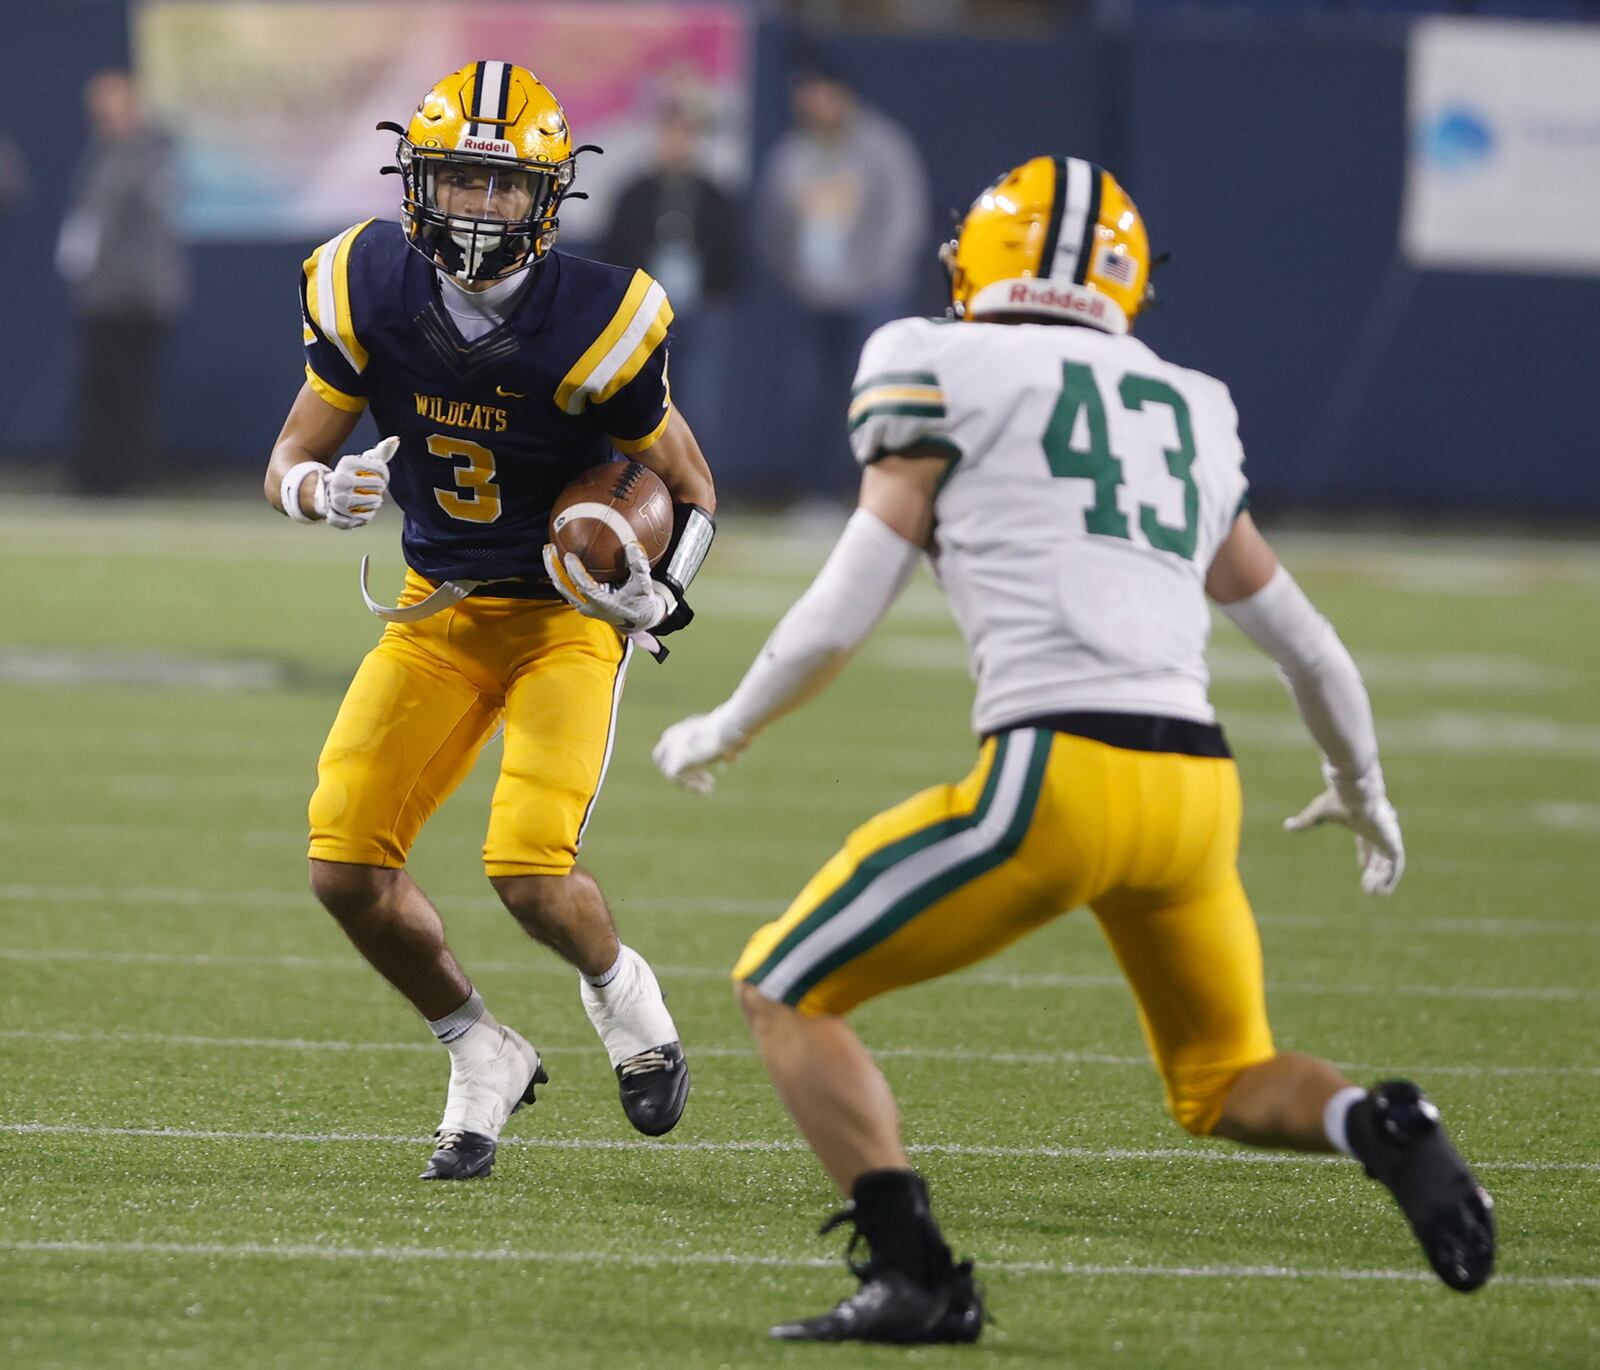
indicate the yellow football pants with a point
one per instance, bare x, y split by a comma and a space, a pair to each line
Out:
427, 699
1045, 822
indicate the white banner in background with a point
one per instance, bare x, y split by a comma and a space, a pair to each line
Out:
1504, 166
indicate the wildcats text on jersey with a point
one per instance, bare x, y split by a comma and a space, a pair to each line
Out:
482, 418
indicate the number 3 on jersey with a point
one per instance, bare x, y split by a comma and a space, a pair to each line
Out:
1098, 463
476, 498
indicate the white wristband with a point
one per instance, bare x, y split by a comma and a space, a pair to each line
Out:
289, 492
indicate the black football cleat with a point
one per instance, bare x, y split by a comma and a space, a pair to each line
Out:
459, 1155
1396, 1134
891, 1307
964, 1315
911, 1291
654, 1086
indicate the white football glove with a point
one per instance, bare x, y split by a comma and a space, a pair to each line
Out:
688, 749
636, 605
1363, 806
352, 492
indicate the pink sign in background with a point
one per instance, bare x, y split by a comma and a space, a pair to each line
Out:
273, 102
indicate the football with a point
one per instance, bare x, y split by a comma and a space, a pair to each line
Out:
604, 508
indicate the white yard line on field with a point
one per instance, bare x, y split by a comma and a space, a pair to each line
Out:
1375, 918
1431, 570
20, 892
990, 978
736, 1259
58, 666
1363, 918
785, 550
1576, 817
1048, 980
292, 841
1431, 671
1236, 1156
943, 1054
1444, 734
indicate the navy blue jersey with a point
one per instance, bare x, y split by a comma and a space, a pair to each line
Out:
490, 430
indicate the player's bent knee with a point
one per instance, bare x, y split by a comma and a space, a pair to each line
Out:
348, 890
531, 896
751, 1000
765, 1016
760, 1012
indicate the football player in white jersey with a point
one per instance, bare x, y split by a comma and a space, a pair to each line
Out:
1079, 498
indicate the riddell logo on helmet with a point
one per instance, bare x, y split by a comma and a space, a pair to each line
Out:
1046, 296
498, 146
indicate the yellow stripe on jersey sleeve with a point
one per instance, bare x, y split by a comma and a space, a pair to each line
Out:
351, 404
570, 394
312, 269
344, 320
636, 359
327, 273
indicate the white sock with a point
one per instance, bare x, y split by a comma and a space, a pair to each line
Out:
468, 1032
606, 977
454, 1025
1336, 1112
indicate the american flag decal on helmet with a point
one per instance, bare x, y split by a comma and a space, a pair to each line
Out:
1116, 266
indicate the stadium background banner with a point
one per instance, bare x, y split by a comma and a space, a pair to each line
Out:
1504, 165
274, 104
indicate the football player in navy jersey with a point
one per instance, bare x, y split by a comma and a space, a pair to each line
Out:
495, 369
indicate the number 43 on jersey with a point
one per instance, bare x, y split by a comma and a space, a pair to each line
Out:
1095, 461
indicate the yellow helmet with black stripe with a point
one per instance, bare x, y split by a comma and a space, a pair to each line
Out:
1054, 238
486, 160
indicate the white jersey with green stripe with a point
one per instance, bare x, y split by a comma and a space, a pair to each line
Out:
1091, 485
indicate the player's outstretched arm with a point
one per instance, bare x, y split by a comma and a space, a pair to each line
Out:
299, 481
1261, 597
863, 576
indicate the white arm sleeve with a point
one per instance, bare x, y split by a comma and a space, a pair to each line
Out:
863, 576
1319, 671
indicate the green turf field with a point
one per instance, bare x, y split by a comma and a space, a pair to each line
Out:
212, 1112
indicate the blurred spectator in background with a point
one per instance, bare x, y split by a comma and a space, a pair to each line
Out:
13, 179
841, 214
120, 251
681, 227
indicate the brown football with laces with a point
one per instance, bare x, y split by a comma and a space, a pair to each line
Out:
604, 508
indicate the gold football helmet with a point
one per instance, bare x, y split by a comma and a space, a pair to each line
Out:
486, 161
1055, 238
